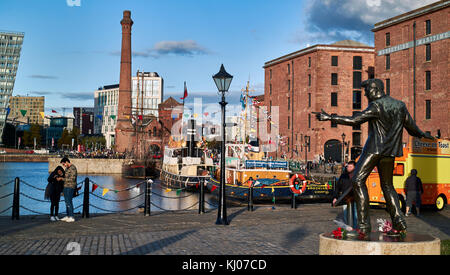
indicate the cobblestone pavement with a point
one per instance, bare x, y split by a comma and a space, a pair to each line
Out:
265, 231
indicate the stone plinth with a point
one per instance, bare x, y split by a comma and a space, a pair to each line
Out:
381, 244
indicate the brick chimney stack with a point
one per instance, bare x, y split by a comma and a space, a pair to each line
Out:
123, 126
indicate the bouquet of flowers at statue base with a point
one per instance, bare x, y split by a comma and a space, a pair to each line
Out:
344, 232
385, 227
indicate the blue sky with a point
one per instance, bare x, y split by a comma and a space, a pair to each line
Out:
69, 52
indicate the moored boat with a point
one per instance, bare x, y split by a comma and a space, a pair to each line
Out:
268, 180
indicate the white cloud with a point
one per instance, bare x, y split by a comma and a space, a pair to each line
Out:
186, 47
327, 21
165, 48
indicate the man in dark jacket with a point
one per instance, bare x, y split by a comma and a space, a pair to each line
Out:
414, 191
387, 117
344, 183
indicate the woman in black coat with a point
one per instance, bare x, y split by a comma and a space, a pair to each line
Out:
54, 190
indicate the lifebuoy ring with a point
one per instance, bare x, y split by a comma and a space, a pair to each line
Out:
294, 187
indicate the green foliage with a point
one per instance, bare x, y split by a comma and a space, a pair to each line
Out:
28, 136
91, 141
445, 247
66, 138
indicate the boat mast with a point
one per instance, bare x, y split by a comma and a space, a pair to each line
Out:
246, 93
141, 150
136, 151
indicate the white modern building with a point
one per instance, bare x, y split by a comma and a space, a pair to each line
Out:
106, 100
147, 94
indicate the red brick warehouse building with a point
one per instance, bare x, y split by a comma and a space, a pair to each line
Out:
319, 77
394, 63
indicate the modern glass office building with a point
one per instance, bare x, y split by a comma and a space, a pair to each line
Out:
10, 48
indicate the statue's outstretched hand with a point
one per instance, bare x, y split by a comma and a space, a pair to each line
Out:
322, 116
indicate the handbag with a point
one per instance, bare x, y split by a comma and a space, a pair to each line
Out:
47, 192
76, 192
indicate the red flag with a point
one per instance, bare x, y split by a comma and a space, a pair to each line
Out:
140, 117
213, 188
53, 111
185, 92
94, 186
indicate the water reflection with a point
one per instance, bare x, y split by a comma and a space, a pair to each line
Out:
36, 174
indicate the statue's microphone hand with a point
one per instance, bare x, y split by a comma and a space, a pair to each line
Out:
322, 116
428, 136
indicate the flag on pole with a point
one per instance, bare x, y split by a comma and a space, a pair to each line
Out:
243, 101
185, 92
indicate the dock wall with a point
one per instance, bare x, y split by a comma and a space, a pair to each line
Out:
92, 166
23, 158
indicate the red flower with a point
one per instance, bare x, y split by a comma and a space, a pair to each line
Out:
337, 234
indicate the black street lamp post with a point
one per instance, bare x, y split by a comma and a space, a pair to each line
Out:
223, 82
307, 146
343, 148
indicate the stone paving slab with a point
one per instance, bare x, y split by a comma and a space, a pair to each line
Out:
266, 231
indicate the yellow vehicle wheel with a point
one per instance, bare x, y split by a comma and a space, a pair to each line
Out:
440, 203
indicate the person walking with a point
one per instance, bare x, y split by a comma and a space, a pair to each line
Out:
55, 188
344, 183
70, 184
414, 191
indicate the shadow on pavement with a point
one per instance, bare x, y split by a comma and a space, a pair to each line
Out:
159, 244
293, 237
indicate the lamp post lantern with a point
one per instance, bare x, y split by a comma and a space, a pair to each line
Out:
223, 82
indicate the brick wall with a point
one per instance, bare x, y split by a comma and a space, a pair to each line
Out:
401, 69
292, 87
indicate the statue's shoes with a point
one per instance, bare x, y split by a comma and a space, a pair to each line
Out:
396, 233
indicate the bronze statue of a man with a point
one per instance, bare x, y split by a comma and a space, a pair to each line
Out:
387, 117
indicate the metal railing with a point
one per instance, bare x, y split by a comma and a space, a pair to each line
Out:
147, 193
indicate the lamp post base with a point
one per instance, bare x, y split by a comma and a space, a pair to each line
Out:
222, 221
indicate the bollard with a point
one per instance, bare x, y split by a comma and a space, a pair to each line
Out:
16, 199
294, 202
201, 197
250, 198
85, 213
148, 191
